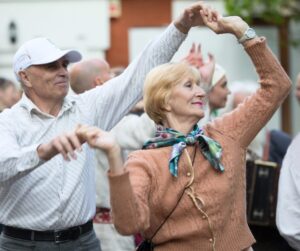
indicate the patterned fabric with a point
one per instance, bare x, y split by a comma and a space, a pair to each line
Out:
211, 149
102, 216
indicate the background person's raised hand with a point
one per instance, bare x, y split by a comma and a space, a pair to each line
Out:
207, 70
194, 56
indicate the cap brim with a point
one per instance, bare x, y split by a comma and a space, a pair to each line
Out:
71, 55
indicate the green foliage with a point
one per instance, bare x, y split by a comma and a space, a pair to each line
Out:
271, 11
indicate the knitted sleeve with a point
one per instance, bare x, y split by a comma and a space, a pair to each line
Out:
130, 196
243, 123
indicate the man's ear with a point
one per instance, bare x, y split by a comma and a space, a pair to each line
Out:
24, 77
97, 82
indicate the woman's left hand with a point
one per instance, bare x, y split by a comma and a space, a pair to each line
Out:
97, 138
220, 25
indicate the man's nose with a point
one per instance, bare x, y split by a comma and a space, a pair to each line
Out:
63, 70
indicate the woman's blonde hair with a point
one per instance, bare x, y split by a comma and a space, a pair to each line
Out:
159, 83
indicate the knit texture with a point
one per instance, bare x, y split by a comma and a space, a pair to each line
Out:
143, 196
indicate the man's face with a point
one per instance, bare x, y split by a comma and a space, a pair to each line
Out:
298, 88
48, 81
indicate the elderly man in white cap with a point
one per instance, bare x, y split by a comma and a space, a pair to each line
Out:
47, 179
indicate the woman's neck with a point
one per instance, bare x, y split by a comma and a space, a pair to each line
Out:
184, 127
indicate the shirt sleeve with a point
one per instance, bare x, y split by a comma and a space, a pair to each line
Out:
133, 130
110, 102
15, 160
288, 202
244, 122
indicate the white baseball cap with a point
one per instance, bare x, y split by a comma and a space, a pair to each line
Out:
219, 73
40, 51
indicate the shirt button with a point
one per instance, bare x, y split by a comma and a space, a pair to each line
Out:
188, 174
210, 240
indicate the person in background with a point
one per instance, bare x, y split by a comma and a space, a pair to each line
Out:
218, 92
186, 189
288, 200
9, 94
47, 177
131, 132
88, 74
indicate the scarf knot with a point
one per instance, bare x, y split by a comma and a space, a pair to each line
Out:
210, 148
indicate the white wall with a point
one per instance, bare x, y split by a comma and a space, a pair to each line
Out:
83, 25
225, 48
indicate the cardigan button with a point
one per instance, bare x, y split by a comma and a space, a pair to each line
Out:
188, 174
203, 217
210, 240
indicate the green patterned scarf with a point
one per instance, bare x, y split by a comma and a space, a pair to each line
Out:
211, 149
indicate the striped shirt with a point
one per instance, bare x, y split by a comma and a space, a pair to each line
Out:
58, 194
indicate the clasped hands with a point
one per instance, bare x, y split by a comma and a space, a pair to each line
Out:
69, 143
200, 13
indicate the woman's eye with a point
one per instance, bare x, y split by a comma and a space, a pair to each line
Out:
188, 84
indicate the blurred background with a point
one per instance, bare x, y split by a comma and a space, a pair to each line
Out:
117, 30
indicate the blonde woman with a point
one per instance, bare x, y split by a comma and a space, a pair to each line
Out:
186, 190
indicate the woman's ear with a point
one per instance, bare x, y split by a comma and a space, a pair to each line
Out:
166, 106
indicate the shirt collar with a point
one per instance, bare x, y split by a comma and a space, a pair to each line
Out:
27, 104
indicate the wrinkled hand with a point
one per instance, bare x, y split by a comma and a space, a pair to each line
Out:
97, 138
66, 144
191, 16
232, 24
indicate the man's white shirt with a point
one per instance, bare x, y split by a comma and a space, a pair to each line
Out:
58, 194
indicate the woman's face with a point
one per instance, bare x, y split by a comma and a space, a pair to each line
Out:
217, 97
186, 101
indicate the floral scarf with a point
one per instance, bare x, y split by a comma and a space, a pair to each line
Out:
210, 148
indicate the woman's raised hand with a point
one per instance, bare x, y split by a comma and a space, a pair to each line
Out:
220, 25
